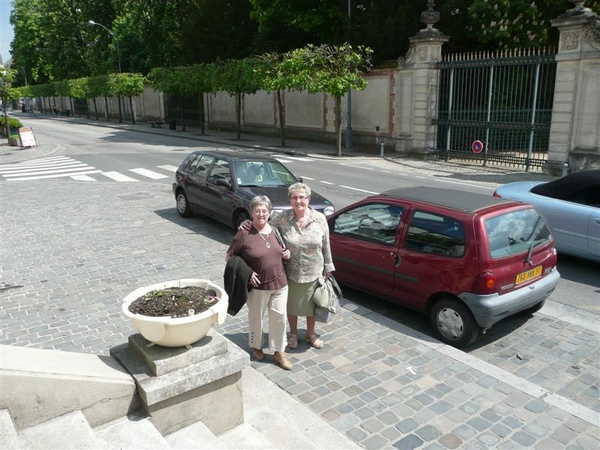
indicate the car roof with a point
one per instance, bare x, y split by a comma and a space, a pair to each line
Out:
235, 156
565, 187
449, 198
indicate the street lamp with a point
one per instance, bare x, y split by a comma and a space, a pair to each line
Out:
349, 123
92, 23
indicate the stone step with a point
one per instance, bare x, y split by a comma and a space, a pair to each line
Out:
70, 431
8, 433
196, 436
131, 432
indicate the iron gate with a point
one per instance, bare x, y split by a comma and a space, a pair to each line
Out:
496, 109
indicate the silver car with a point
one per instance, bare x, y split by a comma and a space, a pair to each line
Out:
570, 206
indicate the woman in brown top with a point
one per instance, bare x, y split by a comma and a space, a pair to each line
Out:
260, 249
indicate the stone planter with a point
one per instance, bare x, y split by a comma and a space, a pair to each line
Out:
182, 331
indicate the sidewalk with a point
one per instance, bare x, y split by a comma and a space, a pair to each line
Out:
376, 382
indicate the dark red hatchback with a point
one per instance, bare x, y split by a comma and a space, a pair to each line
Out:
467, 260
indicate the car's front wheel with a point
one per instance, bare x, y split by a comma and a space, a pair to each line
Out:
454, 323
183, 206
241, 217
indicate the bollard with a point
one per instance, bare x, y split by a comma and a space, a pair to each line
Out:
381, 146
565, 169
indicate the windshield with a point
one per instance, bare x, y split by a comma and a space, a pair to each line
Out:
515, 232
266, 173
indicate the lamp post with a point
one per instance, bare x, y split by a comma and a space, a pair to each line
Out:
92, 23
349, 123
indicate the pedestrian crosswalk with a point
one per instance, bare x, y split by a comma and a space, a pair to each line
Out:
65, 167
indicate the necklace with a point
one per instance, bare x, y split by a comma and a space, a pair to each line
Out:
266, 239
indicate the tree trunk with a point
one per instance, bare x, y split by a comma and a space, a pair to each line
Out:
202, 118
96, 108
181, 106
131, 106
281, 108
106, 104
238, 115
338, 125
72, 107
120, 109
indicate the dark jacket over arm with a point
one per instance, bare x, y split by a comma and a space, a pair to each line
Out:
236, 279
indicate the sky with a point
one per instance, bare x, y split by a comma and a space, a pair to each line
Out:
6, 31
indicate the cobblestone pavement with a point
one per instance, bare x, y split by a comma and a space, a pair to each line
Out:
67, 264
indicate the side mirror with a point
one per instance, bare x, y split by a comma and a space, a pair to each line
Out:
223, 182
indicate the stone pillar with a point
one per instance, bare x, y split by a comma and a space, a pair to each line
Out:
418, 88
575, 127
180, 386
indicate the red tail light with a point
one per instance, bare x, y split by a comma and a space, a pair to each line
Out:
495, 194
485, 283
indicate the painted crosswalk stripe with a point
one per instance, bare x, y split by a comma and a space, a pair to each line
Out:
66, 171
169, 168
56, 175
83, 178
73, 165
148, 173
118, 176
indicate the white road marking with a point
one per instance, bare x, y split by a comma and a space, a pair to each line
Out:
40, 168
148, 173
83, 178
357, 189
297, 158
118, 176
58, 175
169, 168
326, 182
49, 172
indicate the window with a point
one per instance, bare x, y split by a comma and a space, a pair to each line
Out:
376, 222
515, 232
436, 235
200, 165
220, 171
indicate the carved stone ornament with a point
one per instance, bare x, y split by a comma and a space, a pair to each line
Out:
569, 40
431, 16
421, 54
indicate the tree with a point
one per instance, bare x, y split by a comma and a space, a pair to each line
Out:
6, 78
127, 85
237, 77
331, 69
517, 23
273, 77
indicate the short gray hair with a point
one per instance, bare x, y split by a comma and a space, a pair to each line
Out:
298, 187
260, 200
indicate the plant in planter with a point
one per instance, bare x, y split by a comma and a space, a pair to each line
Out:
176, 313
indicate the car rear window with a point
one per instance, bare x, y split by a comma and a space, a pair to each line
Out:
515, 232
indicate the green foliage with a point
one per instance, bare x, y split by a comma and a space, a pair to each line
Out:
516, 23
13, 123
127, 84
238, 76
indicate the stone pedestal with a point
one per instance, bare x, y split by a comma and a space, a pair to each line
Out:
180, 386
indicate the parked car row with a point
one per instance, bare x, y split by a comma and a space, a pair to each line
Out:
467, 260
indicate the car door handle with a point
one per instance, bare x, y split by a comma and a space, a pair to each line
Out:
397, 261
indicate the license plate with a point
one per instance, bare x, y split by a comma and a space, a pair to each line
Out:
530, 274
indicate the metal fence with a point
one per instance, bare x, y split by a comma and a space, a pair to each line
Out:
496, 109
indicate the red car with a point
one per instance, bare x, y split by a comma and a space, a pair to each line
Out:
467, 260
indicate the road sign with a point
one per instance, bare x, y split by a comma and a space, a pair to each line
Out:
477, 146
27, 137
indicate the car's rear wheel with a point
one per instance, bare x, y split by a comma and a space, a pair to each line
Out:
183, 206
241, 217
454, 323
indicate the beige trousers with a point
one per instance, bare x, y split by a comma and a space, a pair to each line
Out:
276, 302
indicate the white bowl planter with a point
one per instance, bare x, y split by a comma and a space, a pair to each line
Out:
181, 331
